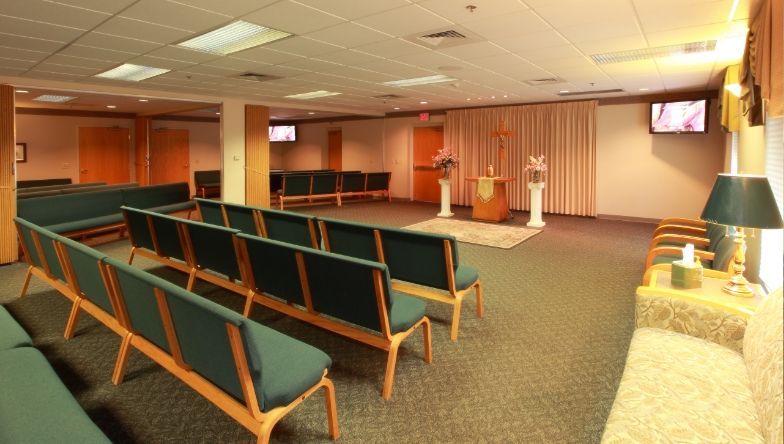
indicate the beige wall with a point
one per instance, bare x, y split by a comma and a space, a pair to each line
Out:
653, 176
53, 144
751, 148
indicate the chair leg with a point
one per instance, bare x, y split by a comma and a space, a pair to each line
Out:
332, 410
26, 281
248, 305
456, 317
480, 310
427, 337
122, 359
130, 259
389, 376
191, 280
72, 318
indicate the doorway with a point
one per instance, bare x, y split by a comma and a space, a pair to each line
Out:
169, 156
335, 149
427, 141
104, 155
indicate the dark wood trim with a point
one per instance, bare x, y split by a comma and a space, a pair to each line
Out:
646, 220
186, 118
74, 113
662, 97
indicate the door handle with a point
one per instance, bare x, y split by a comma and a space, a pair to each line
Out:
83, 171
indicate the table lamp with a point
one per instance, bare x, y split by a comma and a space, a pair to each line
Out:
742, 201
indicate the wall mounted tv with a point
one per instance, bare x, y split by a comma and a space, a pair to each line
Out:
687, 117
282, 133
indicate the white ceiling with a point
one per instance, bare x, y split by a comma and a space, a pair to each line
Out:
352, 46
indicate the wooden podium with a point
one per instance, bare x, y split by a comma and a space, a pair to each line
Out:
497, 209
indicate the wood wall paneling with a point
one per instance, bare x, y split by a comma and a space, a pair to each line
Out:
335, 149
427, 141
257, 155
8, 247
104, 154
142, 150
169, 156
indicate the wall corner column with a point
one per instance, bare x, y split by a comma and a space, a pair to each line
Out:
257, 156
8, 248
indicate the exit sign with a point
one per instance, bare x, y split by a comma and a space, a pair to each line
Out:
424, 117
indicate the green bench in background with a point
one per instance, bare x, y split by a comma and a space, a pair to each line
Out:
378, 183
207, 183
309, 187
42, 182
348, 296
424, 259
165, 198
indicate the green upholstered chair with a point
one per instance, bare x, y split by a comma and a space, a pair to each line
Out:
378, 183
40, 256
207, 183
342, 294
75, 214
36, 406
211, 211
351, 239
707, 240
714, 253
165, 198
251, 372
211, 250
293, 228
12, 335
241, 217
352, 184
295, 186
157, 237
325, 185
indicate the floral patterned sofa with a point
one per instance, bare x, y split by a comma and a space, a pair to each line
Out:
696, 373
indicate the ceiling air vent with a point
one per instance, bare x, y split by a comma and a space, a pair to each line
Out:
580, 93
389, 97
256, 77
437, 38
444, 37
545, 81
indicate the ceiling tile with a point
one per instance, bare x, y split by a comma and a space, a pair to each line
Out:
292, 17
397, 69
302, 46
236, 64
392, 48
40, 30
9, 71
348, 57
517, 24
264, 55
83, 62
485, 9
53, 13
564, 13
106, 41
212, 70
69, 69
404, 21
16, 64
182, 54
96, 53
692, 34
689, 15
505, 63
32, 44
430, 60
175, 15
234, 8
136, 29
623, 43
309, 64
473, 50
602, 30
22, 54
353, 9
555, 52
160, 62
348, 35
53, 75
107, 6
535, 40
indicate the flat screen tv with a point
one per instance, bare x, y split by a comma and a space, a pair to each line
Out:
687, 117
282, 133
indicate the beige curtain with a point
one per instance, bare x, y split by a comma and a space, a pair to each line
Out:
564, 132
763, 60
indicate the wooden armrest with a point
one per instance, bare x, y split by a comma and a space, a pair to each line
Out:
683, 221
706, 272
697, 241
703, 255
676, 229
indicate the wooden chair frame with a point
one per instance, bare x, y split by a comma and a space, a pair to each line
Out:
44, 272
455, 296
680, 229
261, 226
341, 193
385, 341
674, 251
699, 223
697, 241
310, 196
157, 255
248, 413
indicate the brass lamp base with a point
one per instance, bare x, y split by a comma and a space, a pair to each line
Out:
738, 286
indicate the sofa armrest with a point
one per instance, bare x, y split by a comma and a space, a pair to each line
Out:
684, 313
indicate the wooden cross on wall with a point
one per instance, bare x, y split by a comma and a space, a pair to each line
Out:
501, 134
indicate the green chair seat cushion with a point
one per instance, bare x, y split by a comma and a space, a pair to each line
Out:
35, 406
288, 366
405, 312
465, 275
171, 208
210, 185
87, 223
12, 335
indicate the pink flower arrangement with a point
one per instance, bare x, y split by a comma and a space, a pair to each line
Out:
536, 167
445, 158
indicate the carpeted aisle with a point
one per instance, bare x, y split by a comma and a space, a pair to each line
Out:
542, 366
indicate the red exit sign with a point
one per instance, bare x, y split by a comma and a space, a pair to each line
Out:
424, 117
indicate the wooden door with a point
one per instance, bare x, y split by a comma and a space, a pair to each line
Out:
335, 148
169, 156
104, 155
427, 141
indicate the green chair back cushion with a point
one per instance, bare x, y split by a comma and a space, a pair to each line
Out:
167, 236
416, 257
353, 183
378, 181
84, 261
156, 195
47, 239
292, 228
26, 229
213, 247
210, 211
325, 183
241, 217
53, 210
296, 184
138, 229
351, 239
274, 268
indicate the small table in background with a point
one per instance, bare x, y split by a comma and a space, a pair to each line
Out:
497, 208
710, 293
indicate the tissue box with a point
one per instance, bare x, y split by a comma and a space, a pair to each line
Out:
686, 276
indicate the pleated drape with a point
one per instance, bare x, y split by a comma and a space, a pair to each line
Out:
564, 132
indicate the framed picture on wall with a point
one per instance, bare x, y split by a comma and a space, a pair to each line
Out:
21, 152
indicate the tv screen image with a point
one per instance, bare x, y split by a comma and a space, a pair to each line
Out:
282, 133
689, 116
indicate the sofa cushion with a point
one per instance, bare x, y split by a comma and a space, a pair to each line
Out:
763, 350
35, 406
681, 388
12, 335
465, 276
405, 312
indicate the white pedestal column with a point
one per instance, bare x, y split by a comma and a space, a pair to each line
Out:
536, 204
446, 198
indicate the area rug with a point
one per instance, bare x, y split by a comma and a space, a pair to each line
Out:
491, 235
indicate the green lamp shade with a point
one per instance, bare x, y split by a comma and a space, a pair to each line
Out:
742, 200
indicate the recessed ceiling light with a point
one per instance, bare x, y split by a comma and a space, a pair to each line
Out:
22, 91
219, 114
563, 91
440, 78
235, 36
143, 100
469, 99
111, 106
634, 55
505, 96
423, 103
311, 113
492, 97
53, 98
312, 95
132, 73
397, 107
643, 89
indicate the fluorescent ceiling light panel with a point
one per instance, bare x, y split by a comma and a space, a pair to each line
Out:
235, 36
54, 98
312, 95
652, 53
440, 78
132, 73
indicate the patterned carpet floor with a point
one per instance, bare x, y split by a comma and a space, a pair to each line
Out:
542, 366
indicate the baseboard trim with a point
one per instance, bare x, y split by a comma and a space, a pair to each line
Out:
646, 220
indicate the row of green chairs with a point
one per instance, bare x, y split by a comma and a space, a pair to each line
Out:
253, 373
337, 185
422, 264
349, 296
